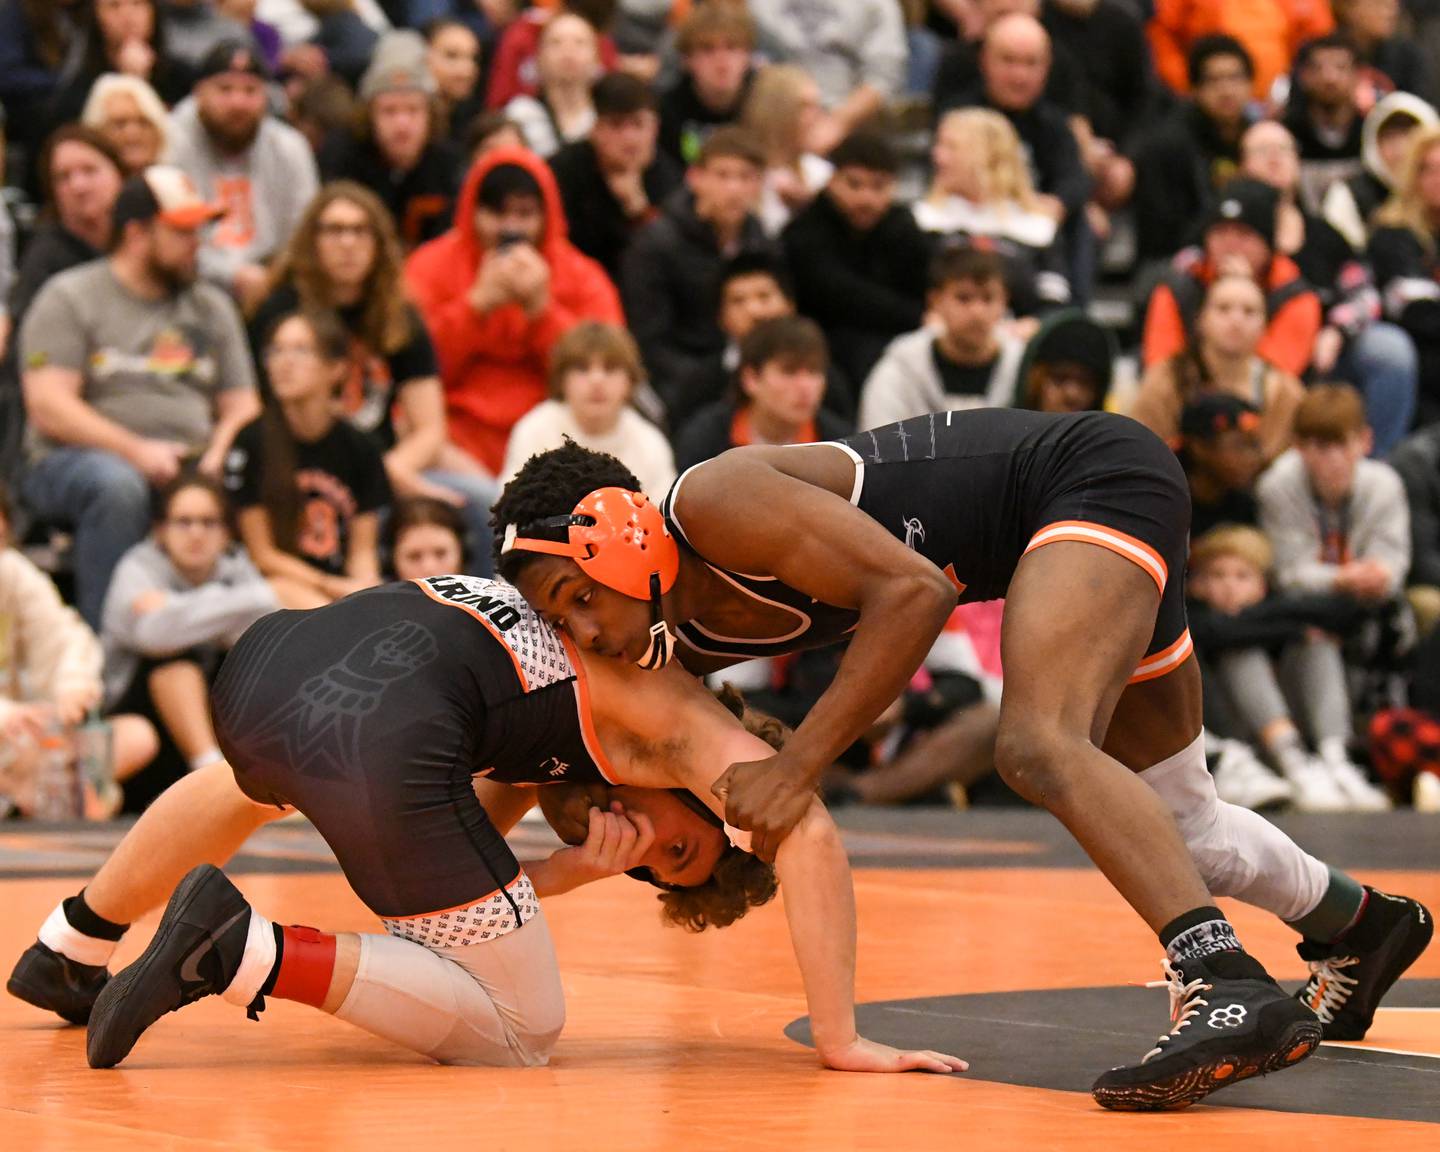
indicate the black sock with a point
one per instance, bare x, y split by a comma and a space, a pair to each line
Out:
269, 986
88, 922
1198, 933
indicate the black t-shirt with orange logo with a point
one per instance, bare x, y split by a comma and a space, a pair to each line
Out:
340, 476
372, 387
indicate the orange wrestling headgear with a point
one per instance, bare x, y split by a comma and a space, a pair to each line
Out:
619, 539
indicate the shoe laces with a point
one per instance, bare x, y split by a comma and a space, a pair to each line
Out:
1185, 1005
1329, 987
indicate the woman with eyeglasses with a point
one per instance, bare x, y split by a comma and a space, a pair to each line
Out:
176, 604
308, 487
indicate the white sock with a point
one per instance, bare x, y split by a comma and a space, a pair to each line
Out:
1334, 751
211, 755
255, 967
59, 935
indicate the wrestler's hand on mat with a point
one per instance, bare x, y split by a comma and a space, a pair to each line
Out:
862, 1055
766, 798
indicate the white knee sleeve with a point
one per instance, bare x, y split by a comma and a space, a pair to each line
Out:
1238, 852
496, 1003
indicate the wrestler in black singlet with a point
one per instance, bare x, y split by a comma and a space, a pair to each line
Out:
971, 491
371, 716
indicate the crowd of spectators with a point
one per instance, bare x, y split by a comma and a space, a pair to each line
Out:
289, 288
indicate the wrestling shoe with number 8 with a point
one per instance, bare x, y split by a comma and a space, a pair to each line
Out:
1228, 1022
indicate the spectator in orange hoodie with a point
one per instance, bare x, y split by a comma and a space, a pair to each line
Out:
496, 291
1271, 31
1240, 239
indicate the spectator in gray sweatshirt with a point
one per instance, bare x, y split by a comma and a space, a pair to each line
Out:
178, 601
259, 169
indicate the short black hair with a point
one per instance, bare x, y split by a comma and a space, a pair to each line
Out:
756, 262
869, 150
956, 262
1206, 48
621, 94
1334, 42
551, 484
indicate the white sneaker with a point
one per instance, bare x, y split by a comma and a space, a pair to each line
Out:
1427, 792
1356, 787
1240, 778
1315, 787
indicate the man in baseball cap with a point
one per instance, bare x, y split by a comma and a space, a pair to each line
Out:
257, 166
162, 193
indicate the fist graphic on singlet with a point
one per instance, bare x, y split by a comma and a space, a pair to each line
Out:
354, 686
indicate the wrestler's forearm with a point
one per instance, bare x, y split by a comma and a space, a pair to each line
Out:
897, 628
820, 908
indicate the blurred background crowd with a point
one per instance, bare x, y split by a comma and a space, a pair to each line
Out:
289, 288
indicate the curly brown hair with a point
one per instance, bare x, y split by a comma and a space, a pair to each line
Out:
386, 320
741, 880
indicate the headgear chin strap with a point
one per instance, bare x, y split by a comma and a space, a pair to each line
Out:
619, 539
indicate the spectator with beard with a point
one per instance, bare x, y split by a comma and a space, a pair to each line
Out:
854, 49
715, 43
1069, 365
1389, 62
858, 258
126, 111
754, 286
80, 176
777, 398
345, 257
125, 36
670, 275
259, 169
567, 62
452, 54
612, 183
1183, 163
1323, 116
399, 151
1384, 141
496, 292
131, 367
1353, 344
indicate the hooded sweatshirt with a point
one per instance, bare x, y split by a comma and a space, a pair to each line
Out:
1349, 204
907, 382
493, 364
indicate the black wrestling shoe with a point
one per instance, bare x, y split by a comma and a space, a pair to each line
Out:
1228, 1022
1349, 977
51, 980
196, 952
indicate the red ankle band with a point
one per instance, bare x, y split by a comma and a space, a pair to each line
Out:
306, 966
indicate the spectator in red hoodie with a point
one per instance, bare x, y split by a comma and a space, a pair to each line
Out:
496, 291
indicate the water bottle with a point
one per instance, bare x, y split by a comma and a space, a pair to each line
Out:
58, 795
94, 763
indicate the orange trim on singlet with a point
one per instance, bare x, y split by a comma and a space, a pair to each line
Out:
960, 585
1084, 532
462, 907
514, 657
1165, 661
582, 707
